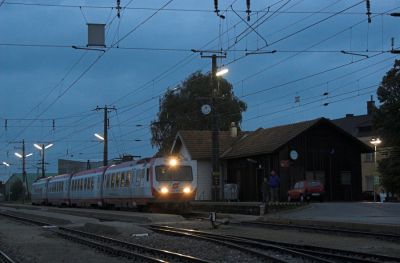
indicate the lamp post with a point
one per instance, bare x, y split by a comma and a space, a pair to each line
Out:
23, 156
375, 142
42, 148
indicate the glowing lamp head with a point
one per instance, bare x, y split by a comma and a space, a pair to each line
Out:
173, 162
164, 190
187, 190
221, 72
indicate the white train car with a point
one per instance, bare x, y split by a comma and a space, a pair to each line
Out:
126, 185
129, 184
39, 192
85, 188
58, 190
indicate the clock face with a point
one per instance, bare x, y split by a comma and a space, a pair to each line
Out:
206, 109
293, 155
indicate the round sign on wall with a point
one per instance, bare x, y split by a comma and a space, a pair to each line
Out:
206, 109
293, 155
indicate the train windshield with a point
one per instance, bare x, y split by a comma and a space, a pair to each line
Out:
177, 173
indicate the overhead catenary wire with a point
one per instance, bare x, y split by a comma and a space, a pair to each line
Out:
169, 9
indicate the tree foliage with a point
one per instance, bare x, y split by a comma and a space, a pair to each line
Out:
17, 189
387, 121
180, 109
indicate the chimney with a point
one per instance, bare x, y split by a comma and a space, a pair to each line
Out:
371, 106
233, 130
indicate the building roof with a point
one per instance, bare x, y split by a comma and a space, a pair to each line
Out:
199, 143
358, 126
268, 140
260, 141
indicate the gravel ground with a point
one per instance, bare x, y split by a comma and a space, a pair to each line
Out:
25, 243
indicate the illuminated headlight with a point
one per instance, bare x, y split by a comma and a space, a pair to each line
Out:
173, 162
187, 190
164, 190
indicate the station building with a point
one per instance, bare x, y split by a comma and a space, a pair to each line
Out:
309, 150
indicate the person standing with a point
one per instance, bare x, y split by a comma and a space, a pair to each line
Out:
274, 184
264, 190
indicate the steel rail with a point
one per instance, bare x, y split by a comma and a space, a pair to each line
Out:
244, 245
4, 258
345, 255
162, 253
321, 252
84, 238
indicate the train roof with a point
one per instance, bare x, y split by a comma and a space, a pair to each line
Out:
60, 176
122, 165
91, 171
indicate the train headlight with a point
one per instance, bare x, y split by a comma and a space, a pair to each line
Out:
164, 190
173, 162
187, 190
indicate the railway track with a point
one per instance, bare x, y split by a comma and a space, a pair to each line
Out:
111, 246
333, 230
317, 254
267, 252
4, 258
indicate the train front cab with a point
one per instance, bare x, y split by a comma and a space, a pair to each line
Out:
174, 179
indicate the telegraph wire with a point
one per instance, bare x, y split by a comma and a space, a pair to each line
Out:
90, 66
169, 9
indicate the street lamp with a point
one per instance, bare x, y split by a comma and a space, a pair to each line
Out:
98, 136
24, 179
6, 164
221, 72
42, 148
375, 142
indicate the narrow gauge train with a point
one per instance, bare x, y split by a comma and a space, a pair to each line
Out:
129, 184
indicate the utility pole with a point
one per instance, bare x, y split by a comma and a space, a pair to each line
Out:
106, 127
24, 177
43, 172
216, 175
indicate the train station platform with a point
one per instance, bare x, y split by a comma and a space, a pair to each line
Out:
369, 216
244, 208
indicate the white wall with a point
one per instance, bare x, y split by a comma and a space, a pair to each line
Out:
204, 180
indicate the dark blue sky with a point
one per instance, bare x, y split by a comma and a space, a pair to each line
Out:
39, 84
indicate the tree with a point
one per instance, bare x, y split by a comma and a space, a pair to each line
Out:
387, 121
17, 189
180, 109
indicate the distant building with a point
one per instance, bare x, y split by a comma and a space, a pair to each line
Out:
361, 126
71, 166
309, 150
